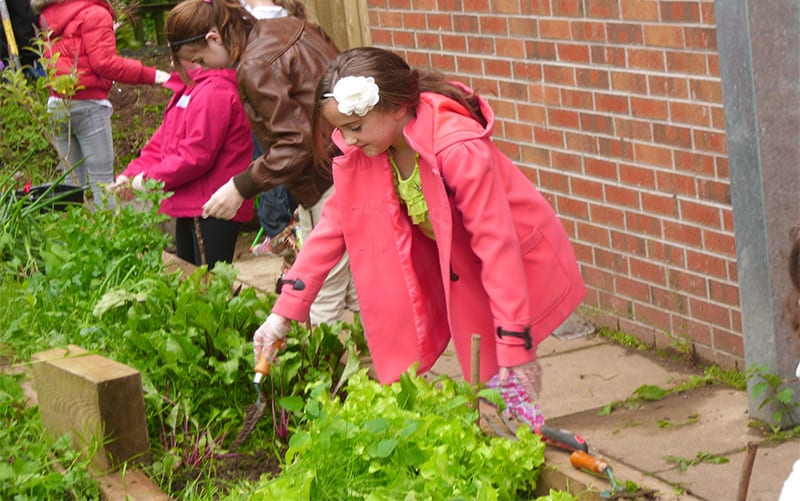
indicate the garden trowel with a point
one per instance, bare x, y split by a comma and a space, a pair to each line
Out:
255, 411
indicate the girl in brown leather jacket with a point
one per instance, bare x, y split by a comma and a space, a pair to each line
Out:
278, 63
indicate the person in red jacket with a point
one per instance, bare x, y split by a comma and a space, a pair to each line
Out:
203, 141
447, 237
80, 37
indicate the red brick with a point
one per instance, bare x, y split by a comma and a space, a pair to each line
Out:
706, 140
454, 43
567, 8
560, 75
610, 260
652, 155
484, 85
545, 94
493, 25
381, 37
694, 162
713, 65
672, 135
439, 22
534, 156
699, 332
677, 231
714, 190
593, 234
585, 143
443, 62
404, 39
624, 33
536, 7
414, 20
712, 313
524, 70
503, 108
505, 6
574, 53
519, 132
727, 220
510, 149
706, 264
532, 113
554, 28
700, 38
428, 41
643, 223
607, 216
631, 244
676, 183
573, 98
567, 161
668, 86
639, 10
465, 23
618, 195
469, 64
586, 189
653, 273
611, 103
707, 14
562, 118
588, 31
669, 254
613, 147
660, 35
680, 12
524, 27
612, 56
725, 293
641, 130
593, 122
502, 69
646, 59
592, 78
541, 51
719, 242
600, 168
658, 203
648, 108
706, 90
553, 180
480, 45
700, 213
635, 175
476, 5
634, 83
571, 207
630, 288
692, 63
510, 47
690, 113
390, 19
728, 342
423, 5
602, 9
668, 299
691, 283
548, 136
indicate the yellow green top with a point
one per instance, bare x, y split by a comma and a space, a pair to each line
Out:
410, 192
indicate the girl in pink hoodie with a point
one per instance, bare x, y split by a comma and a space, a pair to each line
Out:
447, 237
80, 38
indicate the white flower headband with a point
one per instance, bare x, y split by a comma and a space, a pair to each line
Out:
355, 95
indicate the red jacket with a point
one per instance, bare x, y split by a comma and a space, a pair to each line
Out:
203, 141
82, 34
501, 258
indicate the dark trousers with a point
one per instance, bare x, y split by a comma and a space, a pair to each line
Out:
218, 239
275, 206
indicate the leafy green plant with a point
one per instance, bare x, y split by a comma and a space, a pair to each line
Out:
387, 442
34, 467
773, 390
701, 457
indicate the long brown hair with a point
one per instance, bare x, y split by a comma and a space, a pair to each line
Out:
399, 84
189, 21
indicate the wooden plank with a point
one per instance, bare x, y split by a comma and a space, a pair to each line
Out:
97, 401
131, 485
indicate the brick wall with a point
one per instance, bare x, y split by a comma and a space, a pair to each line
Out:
613, 108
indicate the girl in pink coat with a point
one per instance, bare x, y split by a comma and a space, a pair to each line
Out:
446, 237
203, 141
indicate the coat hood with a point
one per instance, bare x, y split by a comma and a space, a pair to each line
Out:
56, 14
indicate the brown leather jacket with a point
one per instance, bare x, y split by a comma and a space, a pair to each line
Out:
277, 76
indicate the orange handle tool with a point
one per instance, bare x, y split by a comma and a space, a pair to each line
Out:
262, 366
585, 461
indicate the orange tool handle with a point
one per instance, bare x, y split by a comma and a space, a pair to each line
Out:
262, 367
585, 461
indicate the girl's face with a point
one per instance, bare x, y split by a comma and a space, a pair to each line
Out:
374, 133
212, 55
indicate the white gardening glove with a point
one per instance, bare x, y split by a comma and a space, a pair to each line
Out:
122, 188
224, 203
138, 182
269, 335
161, 77
520, 386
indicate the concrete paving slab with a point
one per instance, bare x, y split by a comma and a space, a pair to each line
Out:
590, 378
555, 346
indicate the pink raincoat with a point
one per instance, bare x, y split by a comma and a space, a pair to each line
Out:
501, 258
